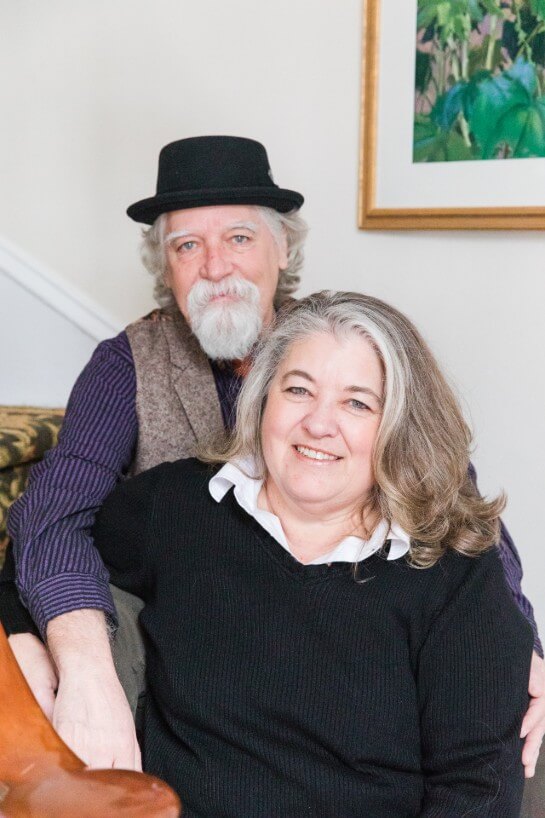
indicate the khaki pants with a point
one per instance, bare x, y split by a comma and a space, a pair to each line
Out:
128, 648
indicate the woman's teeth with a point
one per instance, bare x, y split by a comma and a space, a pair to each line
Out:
314, 454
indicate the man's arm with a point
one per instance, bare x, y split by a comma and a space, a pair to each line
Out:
58, 568
91, 713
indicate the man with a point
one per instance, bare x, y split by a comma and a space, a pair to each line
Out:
224, 256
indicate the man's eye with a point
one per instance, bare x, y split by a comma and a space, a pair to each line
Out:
186, 246
240, 239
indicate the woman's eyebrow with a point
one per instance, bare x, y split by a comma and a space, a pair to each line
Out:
300, 372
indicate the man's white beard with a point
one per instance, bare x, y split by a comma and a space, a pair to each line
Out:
226, 330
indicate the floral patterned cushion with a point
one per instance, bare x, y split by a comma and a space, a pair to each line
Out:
26, 433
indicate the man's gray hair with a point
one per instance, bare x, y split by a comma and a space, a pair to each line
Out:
291, 224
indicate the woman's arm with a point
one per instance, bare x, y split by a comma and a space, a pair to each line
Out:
24, 641
512, 567
13, 615
472, 685
534, 721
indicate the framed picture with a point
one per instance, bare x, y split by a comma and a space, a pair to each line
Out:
453, 115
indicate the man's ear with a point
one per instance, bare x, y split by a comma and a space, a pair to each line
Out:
283, 251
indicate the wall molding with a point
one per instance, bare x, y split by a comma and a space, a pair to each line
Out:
62, 297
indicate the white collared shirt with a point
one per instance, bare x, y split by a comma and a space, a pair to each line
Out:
351, 549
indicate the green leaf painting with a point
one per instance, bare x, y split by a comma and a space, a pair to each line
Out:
479, 80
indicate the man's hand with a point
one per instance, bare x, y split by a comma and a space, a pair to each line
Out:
91, 712
533, 725
93, 717
38, 669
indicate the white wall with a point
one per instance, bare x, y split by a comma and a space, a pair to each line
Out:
97, 88
48, 331
41, 357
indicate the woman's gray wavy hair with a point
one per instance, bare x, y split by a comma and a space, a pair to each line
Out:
291, 224
421, 454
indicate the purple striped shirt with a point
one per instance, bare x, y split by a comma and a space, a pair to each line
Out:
58, 567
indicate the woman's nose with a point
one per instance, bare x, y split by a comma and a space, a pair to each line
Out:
321, 421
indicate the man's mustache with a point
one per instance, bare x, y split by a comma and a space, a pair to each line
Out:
205, 291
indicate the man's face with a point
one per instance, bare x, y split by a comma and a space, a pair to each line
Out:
217, 250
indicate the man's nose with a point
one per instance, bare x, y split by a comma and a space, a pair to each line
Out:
216, 263
321, 420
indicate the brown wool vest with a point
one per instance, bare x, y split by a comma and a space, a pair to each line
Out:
177, 404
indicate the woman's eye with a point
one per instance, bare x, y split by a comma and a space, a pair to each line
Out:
358, 405
297, 390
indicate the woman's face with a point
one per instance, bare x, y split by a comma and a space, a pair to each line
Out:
320, 424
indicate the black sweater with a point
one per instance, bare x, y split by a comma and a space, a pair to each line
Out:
279, 690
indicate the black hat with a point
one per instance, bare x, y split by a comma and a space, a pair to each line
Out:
213, 170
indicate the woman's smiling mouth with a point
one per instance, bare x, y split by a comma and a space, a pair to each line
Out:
315, 454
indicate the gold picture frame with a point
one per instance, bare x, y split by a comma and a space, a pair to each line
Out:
372, 214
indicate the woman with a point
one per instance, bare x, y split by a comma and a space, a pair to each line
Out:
299, 662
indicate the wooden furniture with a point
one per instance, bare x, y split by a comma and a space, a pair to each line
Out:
40, 777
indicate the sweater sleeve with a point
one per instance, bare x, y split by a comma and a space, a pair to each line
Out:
58, 568
472, 685
13, 615
512, 567
122, 531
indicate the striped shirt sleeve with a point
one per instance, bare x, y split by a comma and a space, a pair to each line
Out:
58, 567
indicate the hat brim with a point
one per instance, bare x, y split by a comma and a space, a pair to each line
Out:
147, 210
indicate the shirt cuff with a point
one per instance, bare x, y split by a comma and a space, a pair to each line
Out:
64, 593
